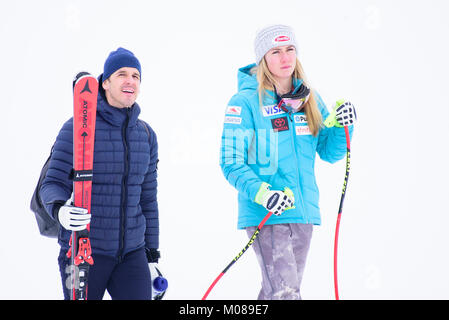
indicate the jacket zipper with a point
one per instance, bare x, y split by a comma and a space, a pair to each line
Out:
293, 134
124, 197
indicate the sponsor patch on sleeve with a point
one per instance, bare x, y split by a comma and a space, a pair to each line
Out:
233, 120
235, 110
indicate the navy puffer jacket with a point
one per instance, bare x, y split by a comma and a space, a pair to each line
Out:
124, 205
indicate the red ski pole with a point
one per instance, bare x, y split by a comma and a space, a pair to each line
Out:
340, 209
253, 237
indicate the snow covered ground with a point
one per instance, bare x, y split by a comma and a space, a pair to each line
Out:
388, 57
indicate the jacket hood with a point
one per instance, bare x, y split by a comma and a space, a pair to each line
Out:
247, 79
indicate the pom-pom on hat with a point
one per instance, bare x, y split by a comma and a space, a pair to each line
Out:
118, 59
271, 37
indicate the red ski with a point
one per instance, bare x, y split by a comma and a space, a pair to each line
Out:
85, 109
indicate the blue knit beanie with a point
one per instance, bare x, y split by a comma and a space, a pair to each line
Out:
119, 59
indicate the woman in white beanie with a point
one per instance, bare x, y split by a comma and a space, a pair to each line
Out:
273, 129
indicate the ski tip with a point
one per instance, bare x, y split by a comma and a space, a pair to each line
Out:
79, 76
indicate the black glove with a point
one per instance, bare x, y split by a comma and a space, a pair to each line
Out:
153, 255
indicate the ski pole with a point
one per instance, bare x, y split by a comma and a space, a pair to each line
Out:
340, 209
251, 240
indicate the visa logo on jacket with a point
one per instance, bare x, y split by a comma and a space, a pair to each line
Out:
269, 111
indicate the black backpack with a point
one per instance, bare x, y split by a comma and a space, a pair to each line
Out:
47, 226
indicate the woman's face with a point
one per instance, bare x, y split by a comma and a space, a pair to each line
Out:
281, 61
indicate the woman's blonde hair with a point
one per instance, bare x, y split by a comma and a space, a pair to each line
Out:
268, 82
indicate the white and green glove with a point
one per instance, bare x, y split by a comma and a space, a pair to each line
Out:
275, 201
342, 115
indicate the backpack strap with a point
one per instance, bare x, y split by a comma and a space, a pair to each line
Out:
146, 129
149, 136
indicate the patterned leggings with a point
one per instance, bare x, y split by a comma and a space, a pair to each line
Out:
281, 250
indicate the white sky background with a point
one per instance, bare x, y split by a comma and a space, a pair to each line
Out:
388, 57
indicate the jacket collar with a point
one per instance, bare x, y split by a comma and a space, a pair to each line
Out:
271, 97
247, 80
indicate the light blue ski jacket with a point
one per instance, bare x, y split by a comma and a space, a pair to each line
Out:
253, 152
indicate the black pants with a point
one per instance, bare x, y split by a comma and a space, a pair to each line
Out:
128, 279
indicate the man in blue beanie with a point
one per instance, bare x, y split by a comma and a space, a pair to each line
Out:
121, 78
124, 217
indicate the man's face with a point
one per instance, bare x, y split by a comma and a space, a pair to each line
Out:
122, 87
